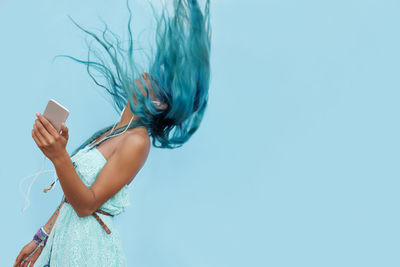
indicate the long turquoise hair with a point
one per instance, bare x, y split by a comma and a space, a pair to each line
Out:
178, 67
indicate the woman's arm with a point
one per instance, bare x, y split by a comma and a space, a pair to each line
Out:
47, 227
32, 250
126, 161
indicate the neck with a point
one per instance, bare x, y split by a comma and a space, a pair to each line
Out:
126, 117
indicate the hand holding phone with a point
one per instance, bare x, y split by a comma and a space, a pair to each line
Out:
56, 114
46, 130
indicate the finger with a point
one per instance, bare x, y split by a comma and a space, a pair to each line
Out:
27, 260
21, 256
36, 255
39, 137
46, 135
37, 141
26, 263
18, 260
64, 129
48, 126
33, 261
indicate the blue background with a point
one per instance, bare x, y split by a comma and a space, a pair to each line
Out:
295, 163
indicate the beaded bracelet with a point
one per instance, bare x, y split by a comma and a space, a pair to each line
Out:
41, 237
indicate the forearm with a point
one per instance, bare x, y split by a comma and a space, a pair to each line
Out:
50, 223
79, 196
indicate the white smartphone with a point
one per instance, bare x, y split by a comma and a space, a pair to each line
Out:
56, 114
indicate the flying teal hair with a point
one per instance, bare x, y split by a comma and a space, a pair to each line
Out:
178, 68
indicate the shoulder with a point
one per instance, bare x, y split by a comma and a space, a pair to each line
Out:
139, 137
134, 143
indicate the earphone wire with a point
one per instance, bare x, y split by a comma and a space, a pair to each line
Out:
52, 186
109, 135
36, 175
104, 138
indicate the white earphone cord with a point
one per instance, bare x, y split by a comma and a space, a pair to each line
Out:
36, 175
113, 129
52, 186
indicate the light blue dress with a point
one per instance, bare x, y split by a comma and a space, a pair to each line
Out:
81, 241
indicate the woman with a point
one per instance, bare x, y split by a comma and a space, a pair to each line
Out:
163, 106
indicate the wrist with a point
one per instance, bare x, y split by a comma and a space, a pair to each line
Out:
61, 158
40, 238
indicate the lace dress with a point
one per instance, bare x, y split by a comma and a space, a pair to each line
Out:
81, 241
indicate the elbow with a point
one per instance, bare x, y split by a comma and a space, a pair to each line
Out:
83, 213
86, 209
80, 212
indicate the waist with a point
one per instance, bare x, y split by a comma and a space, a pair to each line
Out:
98, 210
102, 224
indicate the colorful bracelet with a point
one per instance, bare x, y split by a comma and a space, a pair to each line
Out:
40, 237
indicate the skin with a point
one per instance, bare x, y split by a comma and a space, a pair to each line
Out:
125, 156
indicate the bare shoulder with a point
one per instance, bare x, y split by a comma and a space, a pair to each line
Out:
135, 142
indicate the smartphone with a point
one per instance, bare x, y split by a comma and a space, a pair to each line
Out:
56, 114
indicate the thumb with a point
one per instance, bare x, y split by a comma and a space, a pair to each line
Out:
64, 130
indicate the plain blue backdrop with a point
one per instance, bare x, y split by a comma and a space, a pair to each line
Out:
296, 160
